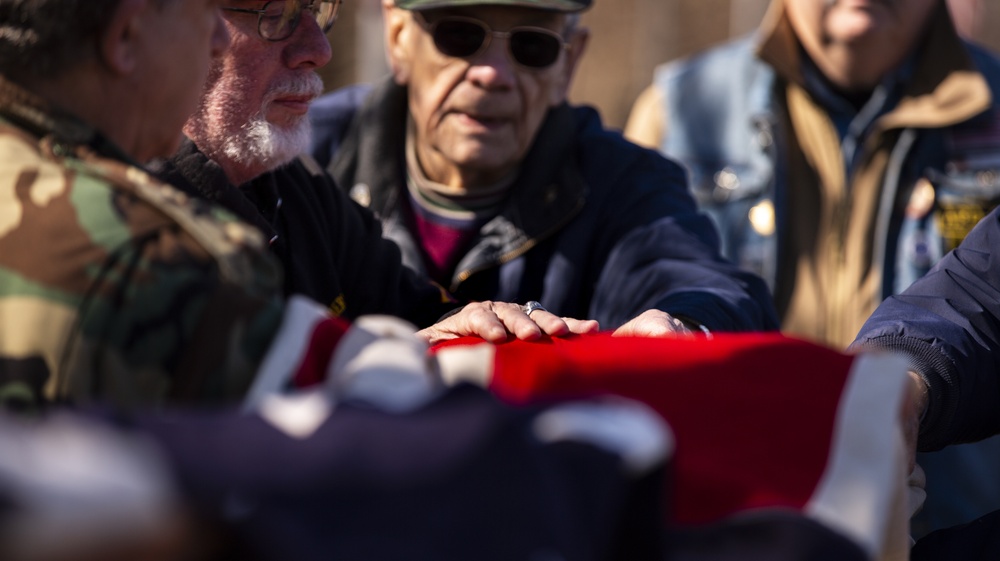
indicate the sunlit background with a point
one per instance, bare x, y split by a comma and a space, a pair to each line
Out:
629, 38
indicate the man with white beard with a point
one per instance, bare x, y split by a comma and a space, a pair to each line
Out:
243, 152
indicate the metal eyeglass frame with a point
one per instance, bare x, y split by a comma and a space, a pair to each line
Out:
286, 21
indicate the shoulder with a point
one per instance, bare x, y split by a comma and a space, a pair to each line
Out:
126, 205
330, 117
600, 146
218, 232
713, 94
719, 62
609, 161
338, 105
20, 152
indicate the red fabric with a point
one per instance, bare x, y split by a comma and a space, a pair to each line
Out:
753, 415
325, 336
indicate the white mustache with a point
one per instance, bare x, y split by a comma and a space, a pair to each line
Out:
308, 84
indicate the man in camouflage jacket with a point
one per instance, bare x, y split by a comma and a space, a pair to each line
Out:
107, 276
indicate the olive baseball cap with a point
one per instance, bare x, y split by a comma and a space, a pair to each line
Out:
557, 5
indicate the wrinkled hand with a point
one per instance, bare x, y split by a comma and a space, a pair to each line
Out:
496, 321
652, 323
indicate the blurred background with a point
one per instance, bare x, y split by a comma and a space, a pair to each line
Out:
628, 39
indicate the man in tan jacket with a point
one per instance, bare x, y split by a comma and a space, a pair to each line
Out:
842, 151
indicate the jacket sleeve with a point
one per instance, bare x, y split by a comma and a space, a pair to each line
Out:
665, 255
948, 323
375, 281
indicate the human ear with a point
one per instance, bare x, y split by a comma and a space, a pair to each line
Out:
120, 41
398, 46
574, 52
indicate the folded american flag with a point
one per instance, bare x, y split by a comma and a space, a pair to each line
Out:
784, 449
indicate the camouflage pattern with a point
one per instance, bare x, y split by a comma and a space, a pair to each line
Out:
557, 5
114, 286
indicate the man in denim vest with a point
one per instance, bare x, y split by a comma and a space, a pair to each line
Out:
842, 150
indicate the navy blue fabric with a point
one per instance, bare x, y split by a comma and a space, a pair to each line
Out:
978, 540
948, 322
330, 115
462, 478
765, 535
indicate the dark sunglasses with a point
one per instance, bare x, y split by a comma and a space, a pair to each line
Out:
462, 37
277, 20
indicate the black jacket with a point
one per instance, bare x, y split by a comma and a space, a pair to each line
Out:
331, 249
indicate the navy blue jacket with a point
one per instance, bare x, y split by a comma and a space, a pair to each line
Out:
948, 322
595, 227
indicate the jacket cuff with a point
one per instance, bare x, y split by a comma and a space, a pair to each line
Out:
943, 391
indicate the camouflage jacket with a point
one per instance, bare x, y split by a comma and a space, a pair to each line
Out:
114, 286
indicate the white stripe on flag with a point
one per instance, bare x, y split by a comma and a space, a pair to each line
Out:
866, 469
287, 349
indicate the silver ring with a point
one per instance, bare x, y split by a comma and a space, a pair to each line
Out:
531, 306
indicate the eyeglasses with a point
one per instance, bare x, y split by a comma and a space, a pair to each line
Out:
278, 19
461, 37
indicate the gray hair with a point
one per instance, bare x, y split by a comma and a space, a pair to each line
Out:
39, 38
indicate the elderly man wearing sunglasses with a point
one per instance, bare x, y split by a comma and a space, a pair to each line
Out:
243, 152
498, 189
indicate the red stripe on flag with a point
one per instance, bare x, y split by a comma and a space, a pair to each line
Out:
753, 415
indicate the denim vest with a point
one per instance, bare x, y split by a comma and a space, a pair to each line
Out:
725, 126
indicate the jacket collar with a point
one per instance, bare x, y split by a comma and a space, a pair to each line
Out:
545, 195
37, 116
945, 87
372, 156
192, 172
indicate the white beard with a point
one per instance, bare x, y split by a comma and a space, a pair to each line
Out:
263, 144
248, 146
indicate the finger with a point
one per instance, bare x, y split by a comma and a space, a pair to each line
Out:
483, 320
517, 322
476, 319
652, 323
582, 326
655, 328
551, 324
430, 335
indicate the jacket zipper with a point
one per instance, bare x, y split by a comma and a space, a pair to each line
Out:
519, 251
